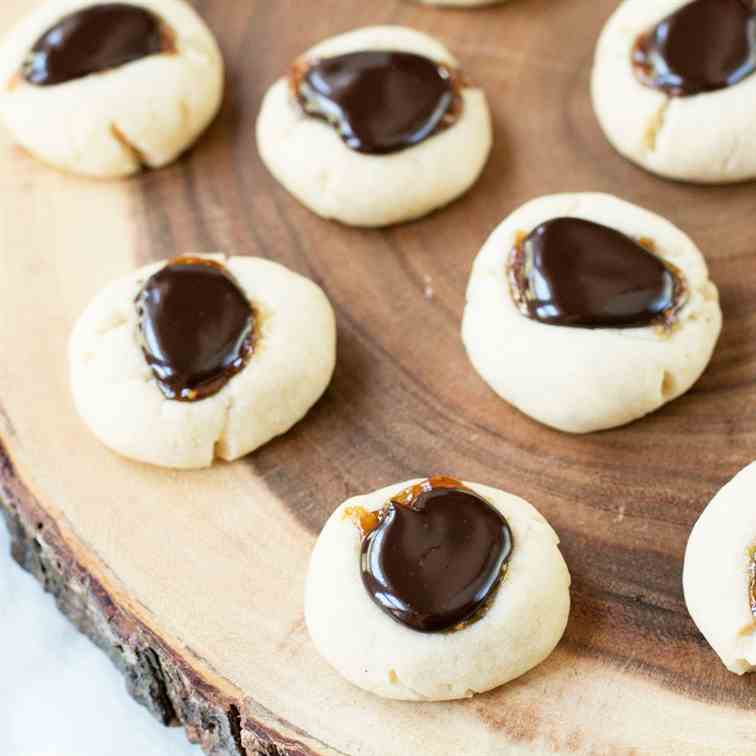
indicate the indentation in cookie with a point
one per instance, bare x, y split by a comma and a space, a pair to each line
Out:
138, 155
95, 39
196, 326
379, 101
574, 272
704, 46
433, 558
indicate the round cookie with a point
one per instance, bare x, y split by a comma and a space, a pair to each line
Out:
119, 397
707, 137
308, 156
579, 379
520, 628
114, 122
719, 572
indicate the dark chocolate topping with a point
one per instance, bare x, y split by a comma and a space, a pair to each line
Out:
196, 326
378, 101
94, 39
574, 272
704, 46
436, 556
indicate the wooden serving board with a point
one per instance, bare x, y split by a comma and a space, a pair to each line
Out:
192, 582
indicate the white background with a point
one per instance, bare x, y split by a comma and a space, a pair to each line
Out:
59, 695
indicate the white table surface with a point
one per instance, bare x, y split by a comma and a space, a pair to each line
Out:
59, 695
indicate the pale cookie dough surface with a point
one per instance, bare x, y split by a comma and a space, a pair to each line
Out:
708, 138
716, 575
521, 628
118, 398
309, 158
578, 379
111, 124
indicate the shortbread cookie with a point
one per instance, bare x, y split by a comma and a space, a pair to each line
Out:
435, 589
375, 127
197, 358
719, 577
674, 87
587, 312
105, 89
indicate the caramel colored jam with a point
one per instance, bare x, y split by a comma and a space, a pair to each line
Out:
95, 39
365, 520
196, 326
704, 46
434, 556
573, 272
379, 101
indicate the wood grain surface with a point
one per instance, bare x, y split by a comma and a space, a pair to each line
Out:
193, 581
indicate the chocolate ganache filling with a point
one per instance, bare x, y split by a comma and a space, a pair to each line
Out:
197, 327
704, 46
574, 272
95, 39
434, 557
379, 101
